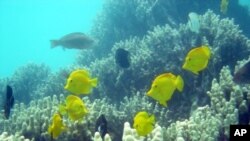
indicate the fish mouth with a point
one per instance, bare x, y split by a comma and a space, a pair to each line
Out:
66, 87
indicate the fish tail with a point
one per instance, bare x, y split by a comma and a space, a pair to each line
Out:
94, 82
179, 83
54, 43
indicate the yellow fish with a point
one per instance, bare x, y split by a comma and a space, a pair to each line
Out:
74, 107
197, 59
79, 82
164, 86
57, 126
144, 123
223, 6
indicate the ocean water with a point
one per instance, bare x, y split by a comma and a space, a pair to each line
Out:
140, 67
27, 27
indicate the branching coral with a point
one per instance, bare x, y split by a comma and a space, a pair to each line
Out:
212, 122
5, 137
122, 19
27, 79
33, 121
163, 50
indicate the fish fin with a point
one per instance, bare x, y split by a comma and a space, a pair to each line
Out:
152, 119
164, 103
206, 50
62, 109
165, 75
83, 72
184, 66
94, 82
50, 129
195, 72
54, 43
179, 83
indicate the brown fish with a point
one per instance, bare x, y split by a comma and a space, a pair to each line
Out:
243, 74
76, 40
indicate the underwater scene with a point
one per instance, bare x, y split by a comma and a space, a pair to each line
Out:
124, 70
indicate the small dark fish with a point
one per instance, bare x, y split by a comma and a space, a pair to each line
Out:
76, 40
243, 74
101, 126
9, 102
122, 58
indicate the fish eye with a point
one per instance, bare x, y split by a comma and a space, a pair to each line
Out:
71, 81
155, 86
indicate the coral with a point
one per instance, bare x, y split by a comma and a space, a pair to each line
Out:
30, 121
163, 49
27, 79
5, 137
119, 20
34, 81
97, 137
33, 120
130, 134
212, 122
121, 92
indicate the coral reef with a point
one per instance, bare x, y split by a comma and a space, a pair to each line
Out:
199, 113
5, 137
27, 79
32, 120
130, 134
35, 81
120, 20
163, 50
211, 122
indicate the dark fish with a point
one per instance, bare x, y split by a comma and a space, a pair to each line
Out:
101, 126
122, 58
76, 40
9, 102
243, 74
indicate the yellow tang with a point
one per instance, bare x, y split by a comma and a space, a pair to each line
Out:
197, 59
57, 126
144, 123
79, 82
74, 107
164, 86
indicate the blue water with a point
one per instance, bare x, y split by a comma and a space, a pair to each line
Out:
27, 26
245, 2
